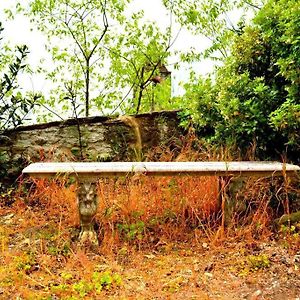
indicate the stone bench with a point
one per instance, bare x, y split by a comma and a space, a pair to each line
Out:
88, 173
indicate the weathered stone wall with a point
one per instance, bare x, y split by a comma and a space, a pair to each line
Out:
89, 139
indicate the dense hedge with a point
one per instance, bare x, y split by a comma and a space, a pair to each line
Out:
253, 100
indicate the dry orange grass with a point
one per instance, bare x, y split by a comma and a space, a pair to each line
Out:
40, 261
147, 211
159, 207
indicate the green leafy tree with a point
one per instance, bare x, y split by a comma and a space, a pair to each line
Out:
211, 19
280, 19
139, 61
101, 56
254, 97
77, 32
14, 107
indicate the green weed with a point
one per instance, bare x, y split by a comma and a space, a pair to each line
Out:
257, 262
106, 280
131, 231
83, 287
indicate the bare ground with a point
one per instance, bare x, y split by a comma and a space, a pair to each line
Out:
38, 264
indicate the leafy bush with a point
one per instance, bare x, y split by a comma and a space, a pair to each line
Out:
254, 98
14, 108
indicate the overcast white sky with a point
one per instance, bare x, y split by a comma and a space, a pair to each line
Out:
18, 32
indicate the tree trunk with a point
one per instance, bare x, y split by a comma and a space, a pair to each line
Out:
87, 88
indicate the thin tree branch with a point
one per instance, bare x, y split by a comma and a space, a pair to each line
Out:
52, 111
125, 58
79, 61
72, 98
253, 5
81, 18
124, 98
105, 23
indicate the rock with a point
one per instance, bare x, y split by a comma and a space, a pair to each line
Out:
208, 275
297, 258
5, 140
256, 295
7, 219
288, 219
209, 267
205, 246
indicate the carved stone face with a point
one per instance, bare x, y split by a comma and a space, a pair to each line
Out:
87, 192
87, 199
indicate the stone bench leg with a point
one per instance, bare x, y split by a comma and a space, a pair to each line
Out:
230, 190
87, 206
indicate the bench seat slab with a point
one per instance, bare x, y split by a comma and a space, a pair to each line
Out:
96, 170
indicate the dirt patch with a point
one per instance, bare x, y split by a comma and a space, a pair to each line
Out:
41, 262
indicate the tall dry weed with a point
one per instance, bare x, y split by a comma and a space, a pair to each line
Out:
146, 211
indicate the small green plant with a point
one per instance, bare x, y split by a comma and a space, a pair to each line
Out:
24, 263
6, 194
83, 287
257, 262
174, 285
105, 280
100, 281
132, 231
59, 288
292, 230
288, 234
250, 263
59, 250
66, 276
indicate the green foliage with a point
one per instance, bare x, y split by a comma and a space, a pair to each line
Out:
109, 56
60, 250
59, 288
82, 287
290, 231
211, 19
286, 119
66, 276
254, 98
199, 96
100, 281
132, 231
106, 280
136, 58
25, 263
14, 107
76, 33
257, 262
